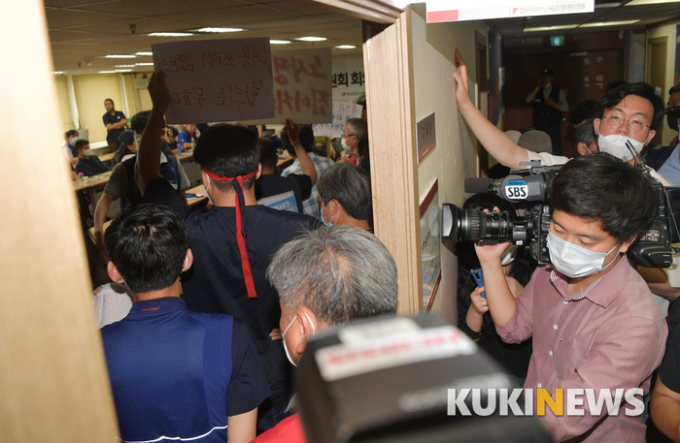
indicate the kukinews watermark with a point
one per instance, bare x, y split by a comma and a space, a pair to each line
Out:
570, 402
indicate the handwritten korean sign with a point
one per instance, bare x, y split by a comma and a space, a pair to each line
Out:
342, 112
217, 80
302, 86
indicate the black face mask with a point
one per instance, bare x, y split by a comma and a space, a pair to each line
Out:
672, 116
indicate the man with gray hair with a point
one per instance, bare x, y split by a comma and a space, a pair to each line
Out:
345, 196
325, 278
355, 130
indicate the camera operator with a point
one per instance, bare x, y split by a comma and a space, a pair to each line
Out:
632, 112
593, 321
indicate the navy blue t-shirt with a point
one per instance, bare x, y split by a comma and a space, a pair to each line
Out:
180, 374
91, 166
215, 282
117, 116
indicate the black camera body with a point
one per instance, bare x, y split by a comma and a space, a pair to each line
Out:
529, 192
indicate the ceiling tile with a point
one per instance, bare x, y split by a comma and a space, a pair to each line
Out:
60, 18
230, 16
155, 8
144, 25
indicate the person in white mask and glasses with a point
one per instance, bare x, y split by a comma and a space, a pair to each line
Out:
325, 278
632, 113
593, 320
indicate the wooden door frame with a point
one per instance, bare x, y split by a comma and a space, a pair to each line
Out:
54, 380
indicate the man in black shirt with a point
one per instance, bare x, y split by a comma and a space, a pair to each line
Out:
271, 184
88, 163
232, 243
115, 122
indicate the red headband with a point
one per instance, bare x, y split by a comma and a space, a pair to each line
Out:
240, 236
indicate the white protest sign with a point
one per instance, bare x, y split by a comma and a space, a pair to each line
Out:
342, 112
302, 86
460, 10
217, 80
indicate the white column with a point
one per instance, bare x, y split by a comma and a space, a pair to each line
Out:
123, 94
75, 117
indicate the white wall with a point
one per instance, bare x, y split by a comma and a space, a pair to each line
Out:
455, 157
670, 32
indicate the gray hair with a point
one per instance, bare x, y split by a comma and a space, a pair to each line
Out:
585, 133
358, 127
350, 186
341, 273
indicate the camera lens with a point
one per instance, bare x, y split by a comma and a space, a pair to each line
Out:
472, 224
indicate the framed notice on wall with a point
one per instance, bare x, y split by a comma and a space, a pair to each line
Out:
427, 137
430, 241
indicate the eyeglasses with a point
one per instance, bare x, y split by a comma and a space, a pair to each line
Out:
635, 126
348, 135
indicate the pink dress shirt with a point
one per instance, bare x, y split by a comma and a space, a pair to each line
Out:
610, 335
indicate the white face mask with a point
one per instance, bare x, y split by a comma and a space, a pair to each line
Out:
138, 139
509, 255
344, 146
207, 186
574, 261
285, 348
88, 152
616, 145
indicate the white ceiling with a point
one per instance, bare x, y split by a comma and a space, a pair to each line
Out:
81, 31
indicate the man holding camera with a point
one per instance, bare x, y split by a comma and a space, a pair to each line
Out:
591, 315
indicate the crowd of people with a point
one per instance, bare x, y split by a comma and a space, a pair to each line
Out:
206, 312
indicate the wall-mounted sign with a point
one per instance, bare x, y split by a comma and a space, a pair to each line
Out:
557, 40
427, 136
461, 10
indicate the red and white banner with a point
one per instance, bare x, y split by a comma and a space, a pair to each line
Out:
460, 10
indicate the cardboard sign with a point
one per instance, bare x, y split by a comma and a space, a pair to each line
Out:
342, 112
217, 80
460, 10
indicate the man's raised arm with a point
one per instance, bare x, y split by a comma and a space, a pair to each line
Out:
148, 166
493, 139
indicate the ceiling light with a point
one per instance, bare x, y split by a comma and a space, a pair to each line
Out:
120, 56
219, 30
170, 34
107, 72
600, 24
123, 70
650, 2
279, 42
549, 28
346, 47
125, 66
145, 54
59, 72
143, 64
311, 39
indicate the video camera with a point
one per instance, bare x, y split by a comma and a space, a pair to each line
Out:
387, 379
529, 192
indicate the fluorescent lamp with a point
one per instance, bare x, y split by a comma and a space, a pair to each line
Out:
59, 72
170, 34
125, 66
650, 2
602, 24
311, 39
120, 56
144, 54
123, 70
107, 72
219, 30
279, 42
143, 64
549, 28
346, 47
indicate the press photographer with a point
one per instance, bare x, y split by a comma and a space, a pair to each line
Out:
592, 317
